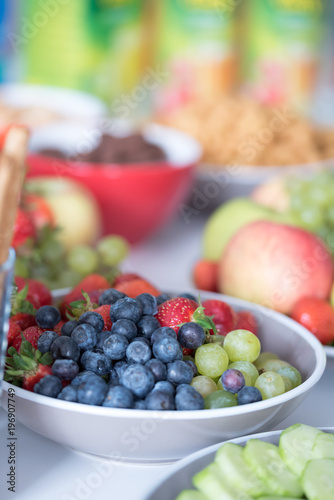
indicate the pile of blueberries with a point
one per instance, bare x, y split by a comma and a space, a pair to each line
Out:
138, 364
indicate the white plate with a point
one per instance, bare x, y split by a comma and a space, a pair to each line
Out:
180, 476
159, 437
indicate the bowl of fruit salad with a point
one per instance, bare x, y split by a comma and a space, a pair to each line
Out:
138, 179
295, 463
155, 376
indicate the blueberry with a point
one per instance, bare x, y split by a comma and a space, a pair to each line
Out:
115, 346
142, 339
110, 296
249, 394
162, 298
47, 316
81, 377
148, 302
167, 350
85, 336
92, 390
101, 337
92, 318
125, 327
120, 367
68, 327
65, 348
179, 372
45, 340
48, 386
191, 335
164, 386
139, 379
158, 368
139, 404
138, 352
163, 331
147, 325
68, 393
65, 369
189, 296
126, 308
113, 377
232, 380
159, 401
118, 397
187, 398
192, 366
96, 361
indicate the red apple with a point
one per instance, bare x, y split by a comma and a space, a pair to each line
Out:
275, 265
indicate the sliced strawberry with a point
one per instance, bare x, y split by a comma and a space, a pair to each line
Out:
123, 278
316, 315
13, 331
105, 313
222, 314
135, 287
246, 321
38, 293
30, 379
30, 334
205, 275
23, 320
23, 228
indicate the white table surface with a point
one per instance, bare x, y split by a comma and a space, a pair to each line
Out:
48, 470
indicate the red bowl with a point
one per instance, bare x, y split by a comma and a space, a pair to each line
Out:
136, 199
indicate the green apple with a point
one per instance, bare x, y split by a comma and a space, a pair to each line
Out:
229, 218
74, 209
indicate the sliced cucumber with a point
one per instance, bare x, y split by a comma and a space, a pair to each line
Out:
191, 495
323, 446
318, 479
208, 482
296, 445
235, 471
265, 460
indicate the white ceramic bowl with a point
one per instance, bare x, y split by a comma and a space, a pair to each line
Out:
180, 476
160, 437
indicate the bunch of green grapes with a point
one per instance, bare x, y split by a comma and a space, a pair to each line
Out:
312, 204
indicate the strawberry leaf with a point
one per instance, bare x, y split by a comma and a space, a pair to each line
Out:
19, 363
20, 304
46, 359
26, 349
12, 351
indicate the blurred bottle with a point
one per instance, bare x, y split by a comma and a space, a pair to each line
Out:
281, 50
92, 45
195, 45
8, 30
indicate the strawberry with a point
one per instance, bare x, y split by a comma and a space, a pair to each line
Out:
136, 287
13, 330
23, 320
105, 313
28, 367
30, 334
94, 285
58, 326
205, 275
39, 210
123, 278
246, 321
317, 316
38, 294
23, 228
222, 314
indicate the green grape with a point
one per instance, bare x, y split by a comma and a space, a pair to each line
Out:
330, 215
242, 345
112, 250
204, 385
270, 384
291, 373
21, 268
69, 278
318, 196
248, 370
287, 383
272, 365
211, 360
264, 356
312, 217
82, 259
219, 399
51, 250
